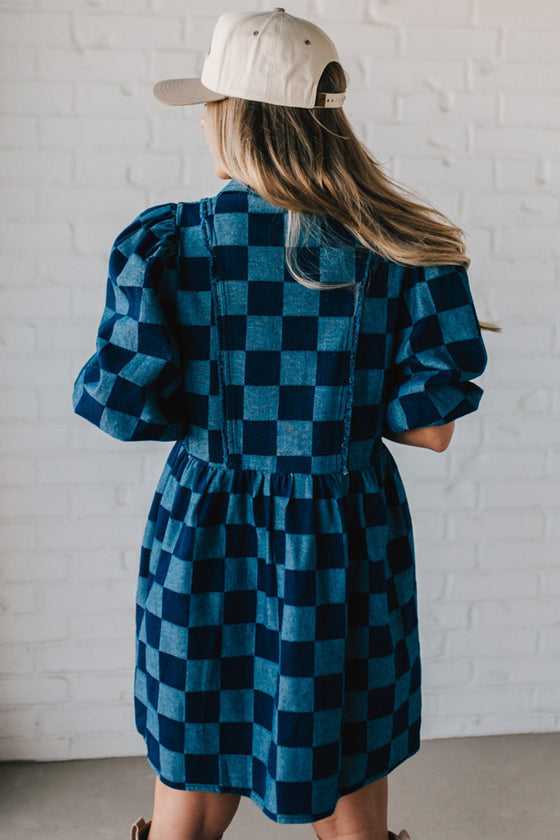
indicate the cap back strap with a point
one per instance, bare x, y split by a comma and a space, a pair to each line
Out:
330, 100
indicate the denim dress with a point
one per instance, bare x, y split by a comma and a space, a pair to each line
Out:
277, 647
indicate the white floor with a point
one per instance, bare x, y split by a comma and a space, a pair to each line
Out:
502, 786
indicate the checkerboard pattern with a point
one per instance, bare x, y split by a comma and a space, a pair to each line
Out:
277, 651
277, 638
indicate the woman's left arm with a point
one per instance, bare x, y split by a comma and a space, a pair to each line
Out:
436, 438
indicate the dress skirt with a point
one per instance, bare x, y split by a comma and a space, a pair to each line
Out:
277, 650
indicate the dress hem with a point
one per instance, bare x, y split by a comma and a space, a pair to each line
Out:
258, 800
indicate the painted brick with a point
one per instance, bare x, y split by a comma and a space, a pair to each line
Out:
114, 31
16, 659
26, 691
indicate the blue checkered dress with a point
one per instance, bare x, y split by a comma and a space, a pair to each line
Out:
277, 651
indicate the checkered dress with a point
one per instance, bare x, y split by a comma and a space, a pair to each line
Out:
277, 651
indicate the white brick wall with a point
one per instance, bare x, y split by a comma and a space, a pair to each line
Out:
458, 100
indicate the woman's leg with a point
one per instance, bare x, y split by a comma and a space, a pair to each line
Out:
361, 815
190, 814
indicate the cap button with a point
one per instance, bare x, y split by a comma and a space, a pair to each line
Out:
279, 9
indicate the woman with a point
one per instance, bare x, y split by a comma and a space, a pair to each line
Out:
277, 331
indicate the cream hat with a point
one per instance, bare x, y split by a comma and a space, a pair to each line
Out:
266, 56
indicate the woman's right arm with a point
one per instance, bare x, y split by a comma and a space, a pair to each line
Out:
429, 437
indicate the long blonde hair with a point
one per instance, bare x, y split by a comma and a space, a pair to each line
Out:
309, 162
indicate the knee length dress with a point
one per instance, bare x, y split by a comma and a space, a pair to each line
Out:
277, 649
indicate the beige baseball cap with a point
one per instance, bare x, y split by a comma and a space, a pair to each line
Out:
265, 56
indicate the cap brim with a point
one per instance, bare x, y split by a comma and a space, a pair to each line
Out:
185, 92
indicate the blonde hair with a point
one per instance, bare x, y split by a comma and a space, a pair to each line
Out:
309, 162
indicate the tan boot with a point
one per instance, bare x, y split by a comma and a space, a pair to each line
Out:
404, 835
140, 829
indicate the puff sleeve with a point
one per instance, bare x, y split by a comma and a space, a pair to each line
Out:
439, 349
131, 387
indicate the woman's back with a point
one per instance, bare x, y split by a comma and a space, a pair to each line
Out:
254, 369
277, 650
